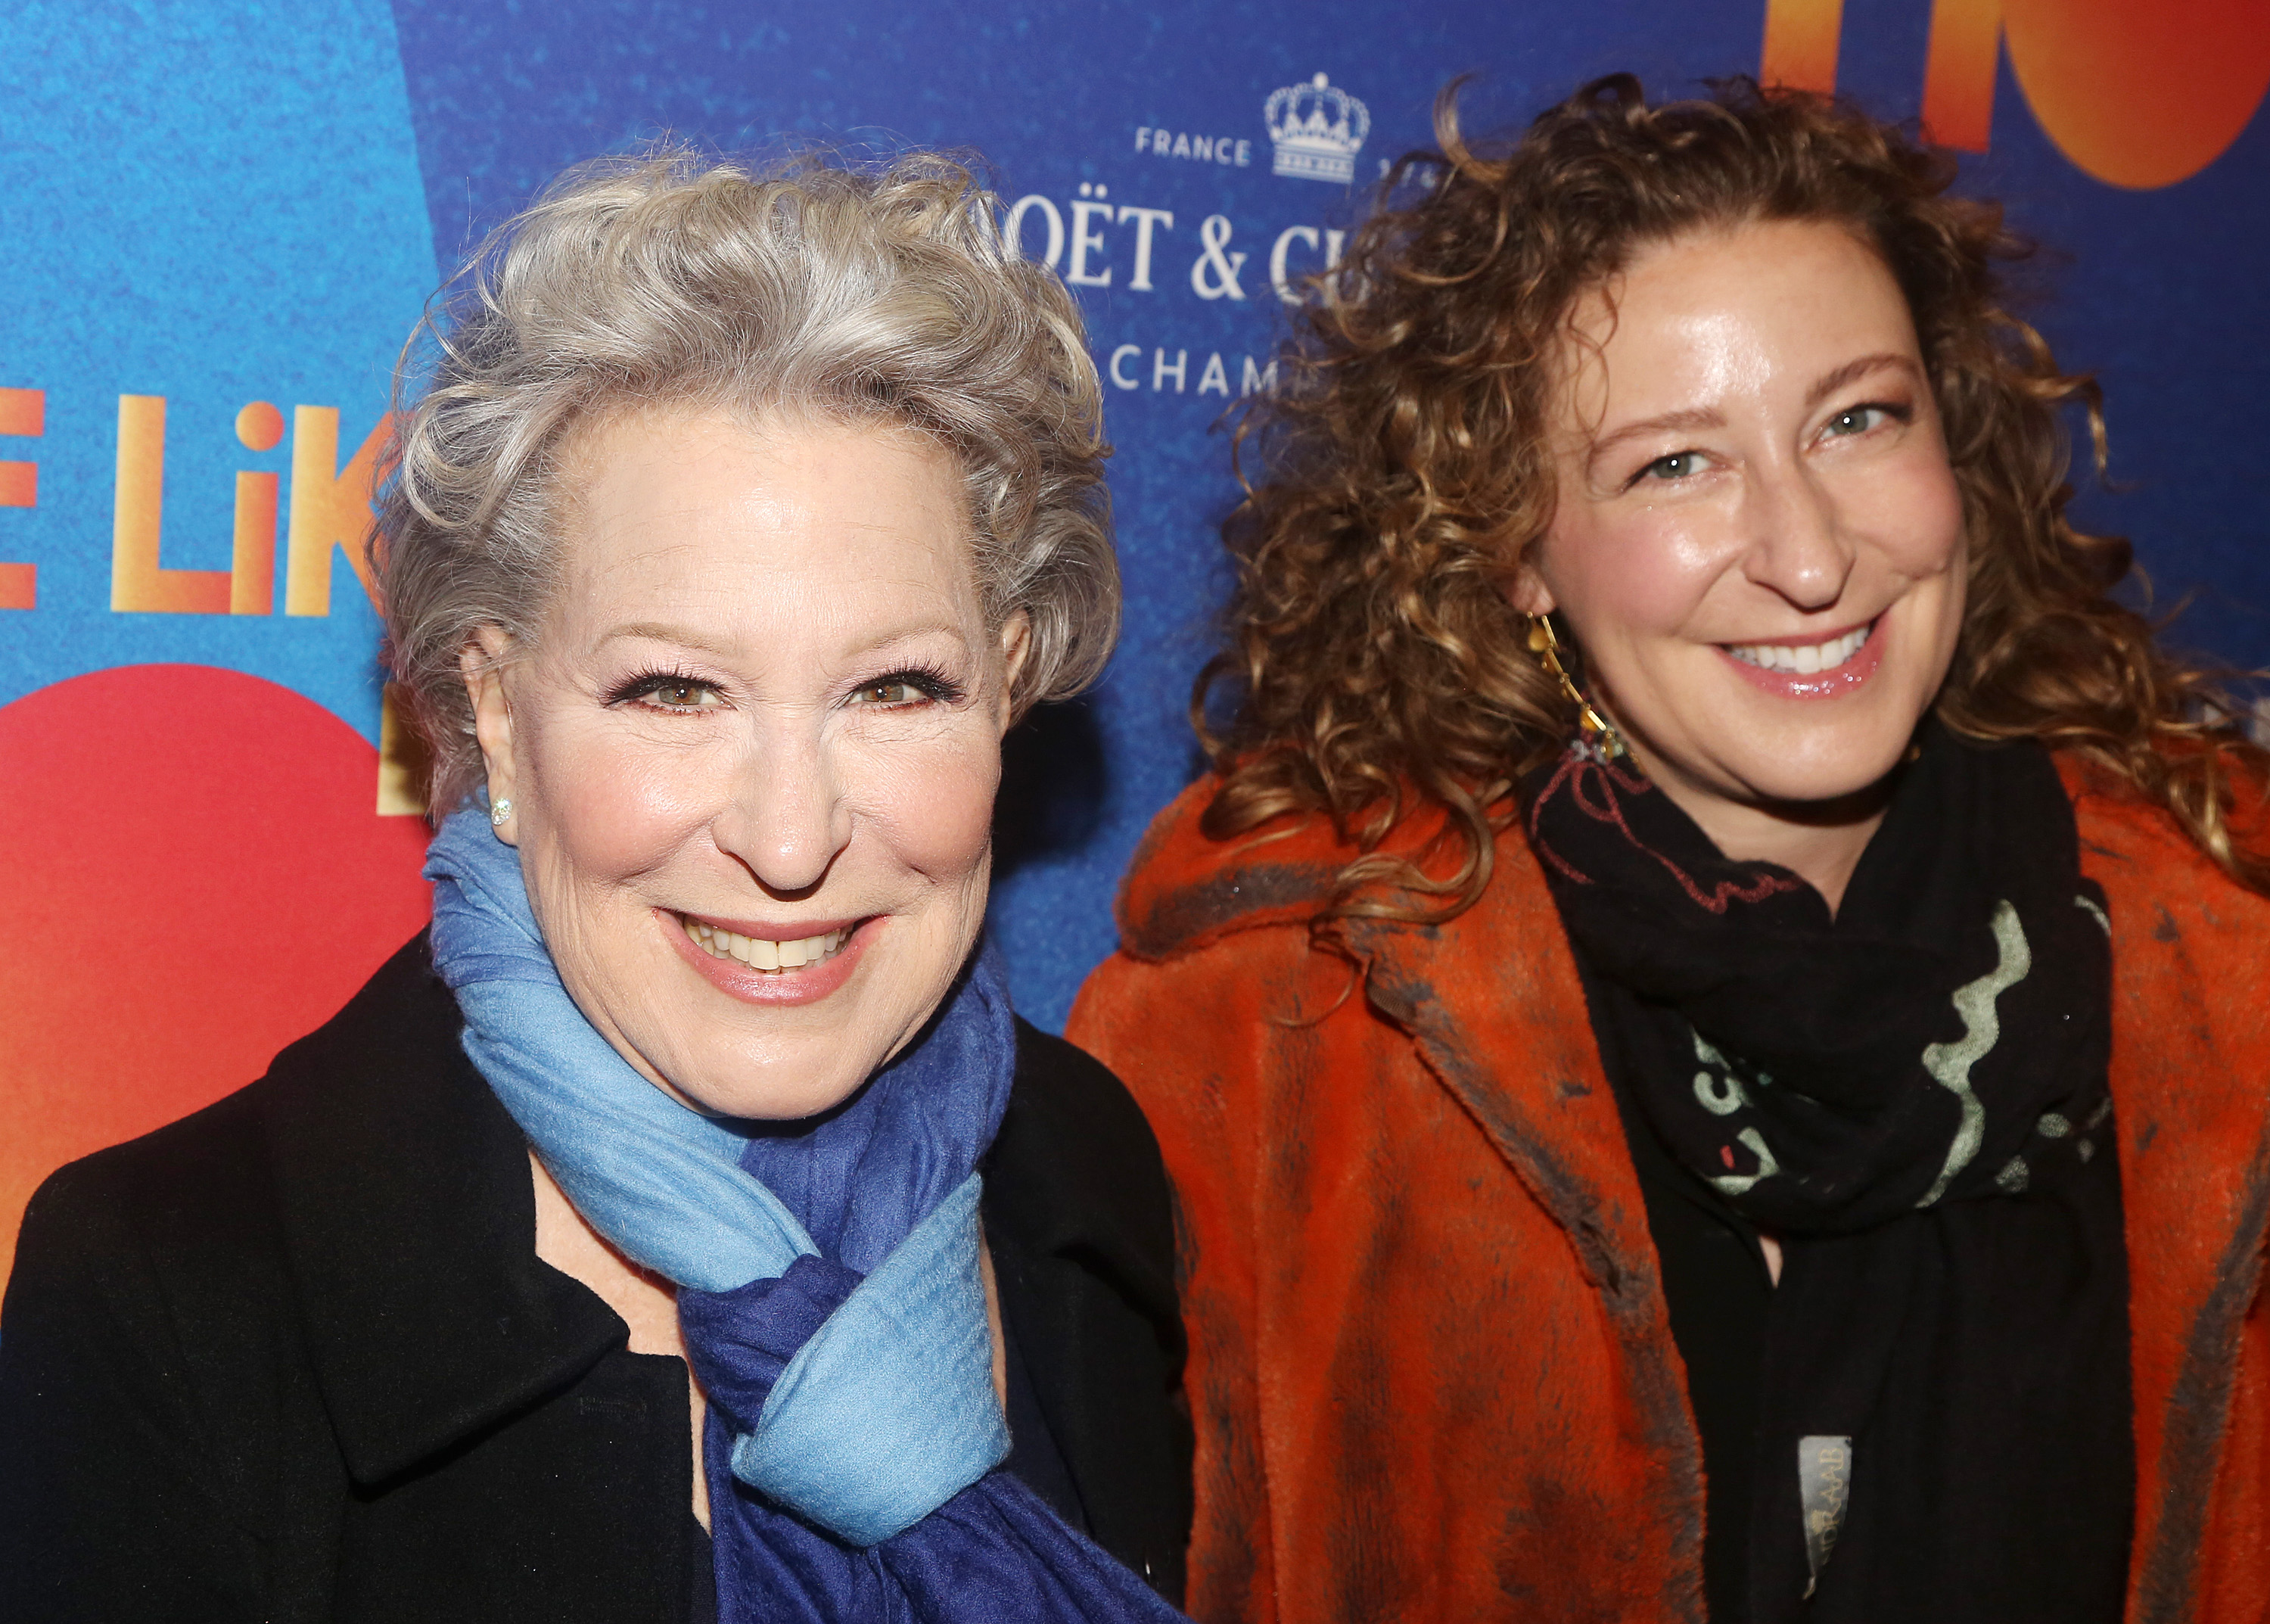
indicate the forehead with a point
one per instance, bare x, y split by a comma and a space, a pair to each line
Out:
1721, 305
772, 523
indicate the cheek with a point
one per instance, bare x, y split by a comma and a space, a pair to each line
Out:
1640, 572
612, 806
1931, 539
934, 807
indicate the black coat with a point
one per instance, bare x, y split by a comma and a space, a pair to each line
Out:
295, 1358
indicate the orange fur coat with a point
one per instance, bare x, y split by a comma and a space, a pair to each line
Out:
1431, 1368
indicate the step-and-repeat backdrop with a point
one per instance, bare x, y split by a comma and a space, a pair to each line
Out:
219, 222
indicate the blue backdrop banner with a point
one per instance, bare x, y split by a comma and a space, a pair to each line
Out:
222, 222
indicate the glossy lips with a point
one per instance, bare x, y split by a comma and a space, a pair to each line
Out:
1822, 670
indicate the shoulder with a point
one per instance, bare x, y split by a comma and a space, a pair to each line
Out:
1187, 890
98, 1228
198, 1199
1068, 1096
1075, 1167
1214, 948
2129, 834
187, 1164
1222, 1010
1217, 934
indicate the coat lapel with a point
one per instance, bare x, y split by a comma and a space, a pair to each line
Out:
429, 1318
1496, 1009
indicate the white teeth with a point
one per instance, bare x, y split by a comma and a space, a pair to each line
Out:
1802, 658
760, 953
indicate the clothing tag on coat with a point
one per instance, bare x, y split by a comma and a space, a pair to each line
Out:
1824, 1483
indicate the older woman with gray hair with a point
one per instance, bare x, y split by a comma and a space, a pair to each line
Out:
685, 1226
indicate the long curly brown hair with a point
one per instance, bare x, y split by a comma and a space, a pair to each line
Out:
1374, 663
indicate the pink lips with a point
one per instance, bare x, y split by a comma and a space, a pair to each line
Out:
808, 984
1818, 685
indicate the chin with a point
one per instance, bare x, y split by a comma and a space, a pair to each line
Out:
1798, 779
746, 1091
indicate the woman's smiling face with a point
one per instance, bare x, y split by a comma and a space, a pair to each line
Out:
752, 754
1759, 544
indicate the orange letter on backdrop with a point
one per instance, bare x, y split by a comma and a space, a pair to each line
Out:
1800, 46
1958, 74
2138, 93
252, 567
330, 507
136, 581
25, 413
253, 563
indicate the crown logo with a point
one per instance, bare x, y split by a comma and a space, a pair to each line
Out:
1318, 129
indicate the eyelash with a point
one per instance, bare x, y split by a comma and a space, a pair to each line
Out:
1896, 410
647, 684
1650, 468
1898, 413
932, 684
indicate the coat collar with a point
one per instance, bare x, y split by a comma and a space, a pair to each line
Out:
409, 1218
1487, 999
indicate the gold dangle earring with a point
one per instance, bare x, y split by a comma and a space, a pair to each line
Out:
1595, 732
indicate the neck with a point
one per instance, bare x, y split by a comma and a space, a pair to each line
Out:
1820, 841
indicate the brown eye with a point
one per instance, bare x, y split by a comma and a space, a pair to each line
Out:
891, 691
667, 693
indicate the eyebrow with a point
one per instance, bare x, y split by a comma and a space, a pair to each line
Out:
1706, 417
1852, 372
686, 637
1692, 417
655, 631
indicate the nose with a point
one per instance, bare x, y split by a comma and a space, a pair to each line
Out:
1798, 546
786, 820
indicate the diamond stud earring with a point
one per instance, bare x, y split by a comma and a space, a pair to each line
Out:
499, 812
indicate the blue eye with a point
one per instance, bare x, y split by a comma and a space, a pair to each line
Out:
1860, 419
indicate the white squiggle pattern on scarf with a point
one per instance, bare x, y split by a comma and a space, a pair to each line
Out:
1718, 1103
1950, 1063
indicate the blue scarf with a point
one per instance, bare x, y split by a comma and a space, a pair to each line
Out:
829, 1289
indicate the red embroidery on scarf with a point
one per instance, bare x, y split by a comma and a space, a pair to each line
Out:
1580, 775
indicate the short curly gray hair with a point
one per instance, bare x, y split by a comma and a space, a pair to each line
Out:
886, 295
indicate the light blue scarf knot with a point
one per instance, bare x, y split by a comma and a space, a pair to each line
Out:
889, 1409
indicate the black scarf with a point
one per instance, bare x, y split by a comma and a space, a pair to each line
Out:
1911, 1097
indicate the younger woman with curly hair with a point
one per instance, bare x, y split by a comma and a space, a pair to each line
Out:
1708, 1021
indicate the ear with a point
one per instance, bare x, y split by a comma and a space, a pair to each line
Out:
482, 662
1016, 648
1526, 591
